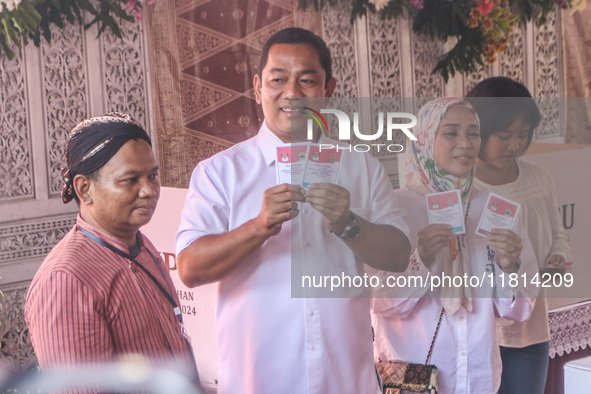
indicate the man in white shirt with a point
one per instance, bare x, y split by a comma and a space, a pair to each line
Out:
238, 227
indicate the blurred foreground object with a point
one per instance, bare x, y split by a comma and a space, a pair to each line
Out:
124, 376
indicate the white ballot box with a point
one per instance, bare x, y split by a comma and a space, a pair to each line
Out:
577, 376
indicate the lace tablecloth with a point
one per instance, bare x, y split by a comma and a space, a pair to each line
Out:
570, 329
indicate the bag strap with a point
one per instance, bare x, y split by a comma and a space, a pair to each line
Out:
434, 336
443, 309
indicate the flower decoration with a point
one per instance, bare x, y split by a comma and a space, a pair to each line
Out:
379, 4
9, 5
496, 21
135, 6
24, 20
481, 28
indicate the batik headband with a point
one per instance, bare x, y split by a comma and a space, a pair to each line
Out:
93, 142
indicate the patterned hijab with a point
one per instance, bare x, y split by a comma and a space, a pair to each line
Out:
93, 142
420, 167
424, 176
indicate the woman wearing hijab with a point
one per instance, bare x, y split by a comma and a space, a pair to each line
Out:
405, 318
509, 116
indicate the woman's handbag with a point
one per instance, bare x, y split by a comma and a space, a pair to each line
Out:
399, 377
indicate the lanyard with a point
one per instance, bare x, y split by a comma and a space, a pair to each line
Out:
168, 295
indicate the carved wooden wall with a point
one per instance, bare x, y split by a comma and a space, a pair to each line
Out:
377, 58
44, 92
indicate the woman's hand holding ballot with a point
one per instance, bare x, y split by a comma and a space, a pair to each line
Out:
508, 246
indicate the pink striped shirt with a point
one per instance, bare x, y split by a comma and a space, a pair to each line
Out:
88, 305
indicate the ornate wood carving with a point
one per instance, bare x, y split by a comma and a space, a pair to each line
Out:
512, 62
16, 350
65, 94
384, 38
34, 240
470, 80
546, 41
425, 53
15, 137
124, 72
338, 33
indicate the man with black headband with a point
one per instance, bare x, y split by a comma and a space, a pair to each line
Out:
104, 292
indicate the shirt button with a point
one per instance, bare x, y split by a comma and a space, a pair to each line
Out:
461, 318
306, 211
463, 353
307, 244
312, 347
311, 312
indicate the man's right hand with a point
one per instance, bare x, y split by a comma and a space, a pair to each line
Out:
212, 257
280, 204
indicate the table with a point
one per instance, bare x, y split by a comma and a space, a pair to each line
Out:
570, 339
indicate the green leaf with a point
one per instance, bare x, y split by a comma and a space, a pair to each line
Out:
463, 57
122, 13
360, 8
12, 35
29, 13
9, 52
87, 6
442, 18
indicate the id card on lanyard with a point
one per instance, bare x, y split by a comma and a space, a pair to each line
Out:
169, 295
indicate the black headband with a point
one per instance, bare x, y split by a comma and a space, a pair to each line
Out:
93, 142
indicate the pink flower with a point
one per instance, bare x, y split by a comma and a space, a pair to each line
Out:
421, 139
485, 7
418, 4
135, 8
130, 5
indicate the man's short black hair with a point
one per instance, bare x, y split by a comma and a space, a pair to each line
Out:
296, 35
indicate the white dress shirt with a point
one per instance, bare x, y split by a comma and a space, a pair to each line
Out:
466, 351
269, 340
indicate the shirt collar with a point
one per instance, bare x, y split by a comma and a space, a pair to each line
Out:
111, 239
268, 142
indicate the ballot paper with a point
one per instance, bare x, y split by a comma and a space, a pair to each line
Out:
446, 208
498, 213
322, 165
291, 163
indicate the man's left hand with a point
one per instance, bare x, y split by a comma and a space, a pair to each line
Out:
333, 202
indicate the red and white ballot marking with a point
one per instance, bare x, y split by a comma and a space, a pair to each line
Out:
446, 208
303, 163
322, 166
499, 212
291, 163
